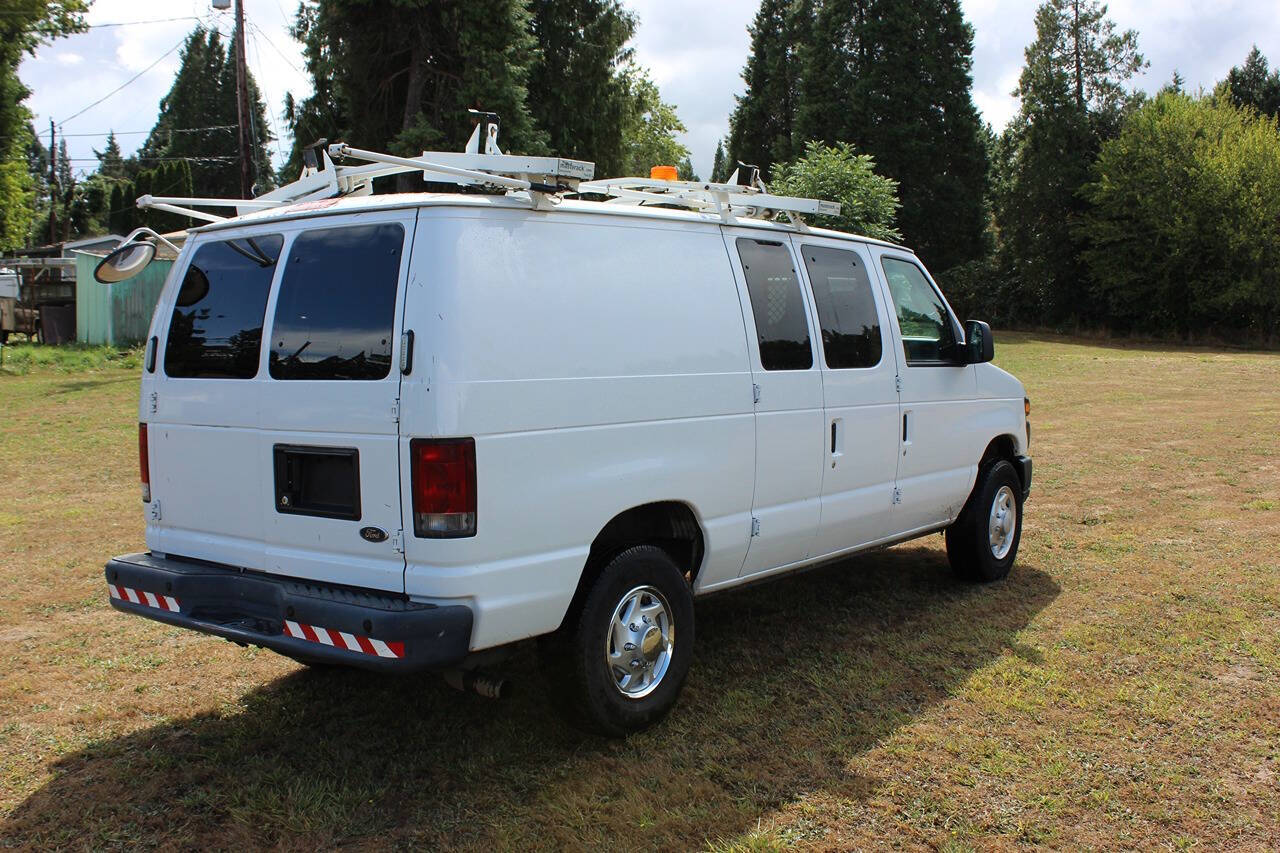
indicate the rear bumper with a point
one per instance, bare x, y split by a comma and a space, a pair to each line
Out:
317, 622
1023, 464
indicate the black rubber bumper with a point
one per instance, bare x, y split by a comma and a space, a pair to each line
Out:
388, 632
1024, 473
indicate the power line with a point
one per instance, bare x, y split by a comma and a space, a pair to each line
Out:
137, 23
142, 132
271, 110
260, 32
181, 42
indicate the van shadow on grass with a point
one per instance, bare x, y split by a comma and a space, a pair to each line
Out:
792, 680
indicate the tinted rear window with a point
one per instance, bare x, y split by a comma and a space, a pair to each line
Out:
216, 328
336, 310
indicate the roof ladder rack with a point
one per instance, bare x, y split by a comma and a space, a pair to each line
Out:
321, 178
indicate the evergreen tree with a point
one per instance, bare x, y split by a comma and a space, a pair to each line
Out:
66, 189
893, 77
110, 160
576, 90
1073, 98
761, 129
719, 165
173, 177
198, 119
1254, 85
399, 75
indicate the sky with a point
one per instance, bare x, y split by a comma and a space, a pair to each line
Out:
694, 51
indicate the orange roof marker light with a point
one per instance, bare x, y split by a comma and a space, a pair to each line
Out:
664, 173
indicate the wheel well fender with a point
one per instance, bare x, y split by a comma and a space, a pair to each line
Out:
670, 525
1001, 447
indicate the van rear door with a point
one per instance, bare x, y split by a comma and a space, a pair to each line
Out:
201, 397
328, 445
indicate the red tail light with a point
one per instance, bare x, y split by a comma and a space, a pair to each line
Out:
444, 487
144, 464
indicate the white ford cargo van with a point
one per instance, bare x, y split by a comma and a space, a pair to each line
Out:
395, 431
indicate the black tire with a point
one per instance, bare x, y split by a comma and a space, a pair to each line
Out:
581, 683
969, 547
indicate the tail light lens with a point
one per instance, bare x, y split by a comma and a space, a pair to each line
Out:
444, 487
144, 464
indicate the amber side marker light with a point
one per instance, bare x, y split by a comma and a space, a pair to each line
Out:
1026, 407
664, 173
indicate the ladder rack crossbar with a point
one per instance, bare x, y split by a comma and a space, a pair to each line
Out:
341, 149
707, 195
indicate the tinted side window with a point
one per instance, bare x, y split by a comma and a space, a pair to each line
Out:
927, 333
216, 328
781, 325
846, 307
336, 309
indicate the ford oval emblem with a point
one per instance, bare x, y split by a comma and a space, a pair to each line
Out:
373, 534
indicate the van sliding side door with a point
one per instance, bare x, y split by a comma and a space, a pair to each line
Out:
788, 385
859, 393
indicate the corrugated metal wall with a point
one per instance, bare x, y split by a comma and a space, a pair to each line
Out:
120, 313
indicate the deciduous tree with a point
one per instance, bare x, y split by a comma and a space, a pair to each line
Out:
24, 26
1184, 229
649, 133
868, 201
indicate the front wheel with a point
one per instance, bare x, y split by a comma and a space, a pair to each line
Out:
983, 541
619, 663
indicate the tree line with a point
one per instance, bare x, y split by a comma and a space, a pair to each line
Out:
1097, 207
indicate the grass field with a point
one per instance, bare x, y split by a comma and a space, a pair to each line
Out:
1120, 689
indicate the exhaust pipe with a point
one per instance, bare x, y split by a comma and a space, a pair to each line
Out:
470, 681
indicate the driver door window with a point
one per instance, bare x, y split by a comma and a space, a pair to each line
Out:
928, 335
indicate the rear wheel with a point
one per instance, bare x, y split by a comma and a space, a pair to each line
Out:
983, 541
617, 665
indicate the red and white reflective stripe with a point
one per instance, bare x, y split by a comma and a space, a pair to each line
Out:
159, 602
343, 640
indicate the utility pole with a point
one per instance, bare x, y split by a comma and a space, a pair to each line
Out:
242, 107
53, 186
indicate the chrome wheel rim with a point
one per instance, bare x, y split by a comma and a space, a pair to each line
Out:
642, 637
1003, 523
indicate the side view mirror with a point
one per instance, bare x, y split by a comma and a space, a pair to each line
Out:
979, 345
125, 262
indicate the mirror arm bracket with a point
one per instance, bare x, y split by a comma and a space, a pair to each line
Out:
138, 232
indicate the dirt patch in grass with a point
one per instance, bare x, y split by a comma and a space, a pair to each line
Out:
1119, 689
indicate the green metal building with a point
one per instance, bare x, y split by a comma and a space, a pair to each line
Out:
116, 314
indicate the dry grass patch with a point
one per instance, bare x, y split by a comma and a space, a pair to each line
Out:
1119, 689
